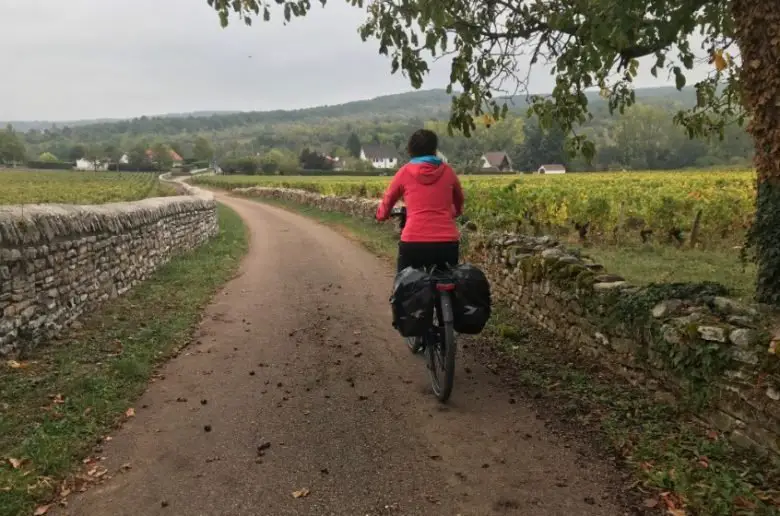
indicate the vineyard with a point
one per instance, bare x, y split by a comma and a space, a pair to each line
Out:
67, 187
643, 206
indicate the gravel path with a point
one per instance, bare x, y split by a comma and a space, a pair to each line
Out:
296, 382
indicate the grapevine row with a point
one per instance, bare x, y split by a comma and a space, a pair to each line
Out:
657, 206
66, 187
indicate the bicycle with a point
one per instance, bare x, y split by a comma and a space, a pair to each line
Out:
438, 342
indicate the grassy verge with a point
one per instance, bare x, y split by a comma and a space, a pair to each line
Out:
642, 265
677, 463
65, 397
377, 238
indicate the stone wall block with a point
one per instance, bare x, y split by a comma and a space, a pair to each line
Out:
57, 261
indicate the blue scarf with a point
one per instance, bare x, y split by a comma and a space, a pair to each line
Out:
435, 160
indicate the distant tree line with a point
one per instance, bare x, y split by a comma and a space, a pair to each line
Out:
141, 156
644, 137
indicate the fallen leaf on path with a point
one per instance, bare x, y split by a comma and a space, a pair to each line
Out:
651, 503
13, 364
672, 502
744, 503
41, 510
301, 493
130, 412
16, 463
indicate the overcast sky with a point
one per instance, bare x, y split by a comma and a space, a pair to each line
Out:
82, 59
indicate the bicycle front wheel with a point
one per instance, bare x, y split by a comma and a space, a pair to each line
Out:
414, 343
441, 353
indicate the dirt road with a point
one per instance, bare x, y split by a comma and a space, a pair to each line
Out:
297, 381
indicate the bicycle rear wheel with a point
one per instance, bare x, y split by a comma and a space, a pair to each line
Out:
441, 352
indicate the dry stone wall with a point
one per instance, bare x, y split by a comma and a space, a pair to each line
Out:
673, 339
56, 261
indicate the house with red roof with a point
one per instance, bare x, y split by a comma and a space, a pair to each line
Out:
177, 160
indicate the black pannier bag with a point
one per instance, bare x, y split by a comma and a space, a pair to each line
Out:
412, 302
471, 304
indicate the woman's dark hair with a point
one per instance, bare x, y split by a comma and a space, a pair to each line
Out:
422, 143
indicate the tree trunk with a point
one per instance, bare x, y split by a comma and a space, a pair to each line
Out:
757, 31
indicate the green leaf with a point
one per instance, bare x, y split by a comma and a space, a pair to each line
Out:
588, 151
679, 78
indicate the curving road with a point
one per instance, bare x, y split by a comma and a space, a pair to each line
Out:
306, 386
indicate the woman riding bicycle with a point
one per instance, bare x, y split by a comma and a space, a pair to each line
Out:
434, 198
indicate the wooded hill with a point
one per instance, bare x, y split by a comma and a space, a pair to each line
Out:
644, 137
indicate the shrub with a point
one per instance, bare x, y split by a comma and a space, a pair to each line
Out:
248, 166
51, 165
355, 173
48, 157
126, 167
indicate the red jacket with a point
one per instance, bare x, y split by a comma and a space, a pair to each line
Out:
433, 198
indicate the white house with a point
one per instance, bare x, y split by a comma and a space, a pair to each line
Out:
380, 156
86, 164
337, 163
102, 164
551, 169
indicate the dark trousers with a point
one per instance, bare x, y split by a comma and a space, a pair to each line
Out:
426, 254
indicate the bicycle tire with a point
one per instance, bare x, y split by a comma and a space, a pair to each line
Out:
443, 389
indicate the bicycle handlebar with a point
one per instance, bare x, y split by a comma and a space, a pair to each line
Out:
400, 212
